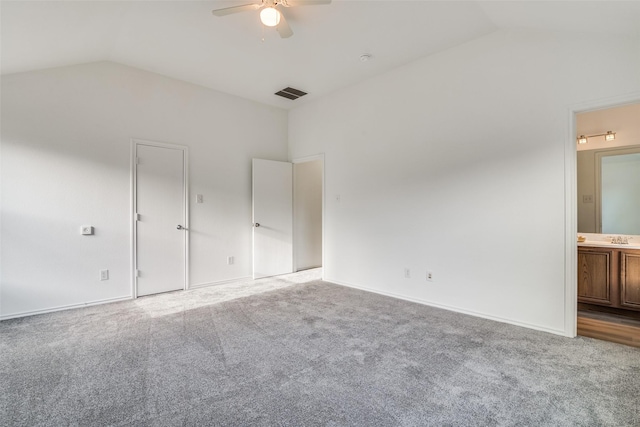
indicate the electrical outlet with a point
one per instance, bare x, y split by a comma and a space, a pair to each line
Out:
230, 260
587, 198
86, 230
199, 198
104, 274
407, 273
429, 276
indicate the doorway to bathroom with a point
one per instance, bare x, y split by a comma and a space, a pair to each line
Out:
608, 223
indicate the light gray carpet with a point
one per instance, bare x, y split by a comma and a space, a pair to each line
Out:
294, 351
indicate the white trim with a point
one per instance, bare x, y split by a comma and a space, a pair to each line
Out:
187, 223
450, 308
571, 203
185, 150
306, 159
571, 230
311, 158
133, 219
221, 282
65, 307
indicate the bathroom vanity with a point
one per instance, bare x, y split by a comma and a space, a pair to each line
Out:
609, 275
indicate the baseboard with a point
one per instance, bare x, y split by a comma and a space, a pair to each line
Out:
222, 282
64, 307
106, 301
452, 308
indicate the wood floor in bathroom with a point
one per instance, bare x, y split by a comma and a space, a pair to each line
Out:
606, 327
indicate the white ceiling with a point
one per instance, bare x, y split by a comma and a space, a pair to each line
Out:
183, 40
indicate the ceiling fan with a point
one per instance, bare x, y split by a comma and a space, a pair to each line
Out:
270, 15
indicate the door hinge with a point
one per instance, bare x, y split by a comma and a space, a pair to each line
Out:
137, 160
136, 217
137, 273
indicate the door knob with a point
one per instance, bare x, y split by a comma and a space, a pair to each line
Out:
257, 224
179, 227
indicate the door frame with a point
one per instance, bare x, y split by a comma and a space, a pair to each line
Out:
571, 203
305, 160
133, 213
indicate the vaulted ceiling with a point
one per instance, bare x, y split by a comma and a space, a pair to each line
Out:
237, 55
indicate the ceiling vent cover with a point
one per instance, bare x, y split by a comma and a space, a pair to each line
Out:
291, 93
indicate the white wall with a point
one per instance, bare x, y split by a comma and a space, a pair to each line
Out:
307, 214
456, 164
65, 163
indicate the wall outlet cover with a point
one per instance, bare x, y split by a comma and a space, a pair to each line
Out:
86, 230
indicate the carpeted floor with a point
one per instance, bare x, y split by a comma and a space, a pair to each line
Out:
296, 351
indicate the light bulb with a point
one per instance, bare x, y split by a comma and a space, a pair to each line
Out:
270, 16
610, 136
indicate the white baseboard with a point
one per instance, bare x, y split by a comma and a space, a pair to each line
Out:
453, 308
64, 307
106, 301
222, 282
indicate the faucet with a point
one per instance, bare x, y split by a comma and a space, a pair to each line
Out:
620, 240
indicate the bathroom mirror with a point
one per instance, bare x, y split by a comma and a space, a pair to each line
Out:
609, 191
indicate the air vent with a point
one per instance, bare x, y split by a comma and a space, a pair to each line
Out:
291, 93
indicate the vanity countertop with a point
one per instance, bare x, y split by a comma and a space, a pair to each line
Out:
601, 244
604, 241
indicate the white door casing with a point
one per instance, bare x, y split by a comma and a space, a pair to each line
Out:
160, 218
272, 218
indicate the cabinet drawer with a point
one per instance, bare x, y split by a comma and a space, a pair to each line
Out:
630, 280
594, 278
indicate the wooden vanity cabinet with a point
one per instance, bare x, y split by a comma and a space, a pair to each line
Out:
609, 277
595, 276
630, 279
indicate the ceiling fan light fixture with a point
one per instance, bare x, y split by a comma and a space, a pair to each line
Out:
270, 16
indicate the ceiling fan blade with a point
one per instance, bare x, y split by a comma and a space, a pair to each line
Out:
283, 28
290, 3
236, 9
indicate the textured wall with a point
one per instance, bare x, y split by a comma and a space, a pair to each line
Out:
455, 164
66, 143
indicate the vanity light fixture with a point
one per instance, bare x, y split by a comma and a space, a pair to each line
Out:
609, 136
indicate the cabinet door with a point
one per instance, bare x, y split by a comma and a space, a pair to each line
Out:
630, 279
594, 279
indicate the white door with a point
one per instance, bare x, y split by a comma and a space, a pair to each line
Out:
272, 218
161, 233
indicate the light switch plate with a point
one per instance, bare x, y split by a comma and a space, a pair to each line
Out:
87, 230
